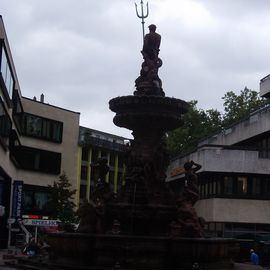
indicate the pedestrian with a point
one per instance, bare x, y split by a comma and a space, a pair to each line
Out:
254, 258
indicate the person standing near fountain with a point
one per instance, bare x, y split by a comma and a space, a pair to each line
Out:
254, 258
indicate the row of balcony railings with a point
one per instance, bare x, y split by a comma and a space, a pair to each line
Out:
102, 143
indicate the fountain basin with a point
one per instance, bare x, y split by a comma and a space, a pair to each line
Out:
142, 252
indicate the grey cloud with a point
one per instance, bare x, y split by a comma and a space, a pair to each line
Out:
83, 53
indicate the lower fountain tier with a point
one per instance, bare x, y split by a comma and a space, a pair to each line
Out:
141, 219
141, 252
151, 112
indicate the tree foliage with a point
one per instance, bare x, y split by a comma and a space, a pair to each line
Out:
197, 124
236, 107
200, 123
61, 203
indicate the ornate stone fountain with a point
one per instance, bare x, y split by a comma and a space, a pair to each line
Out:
146, 226
147, 206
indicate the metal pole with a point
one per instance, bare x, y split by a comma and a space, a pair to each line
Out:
9, 235
36, 232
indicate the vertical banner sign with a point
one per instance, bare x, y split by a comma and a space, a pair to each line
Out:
17, 199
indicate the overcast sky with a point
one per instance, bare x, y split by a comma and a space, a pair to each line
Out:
82, 53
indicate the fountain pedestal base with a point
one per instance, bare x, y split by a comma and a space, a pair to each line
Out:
142, 252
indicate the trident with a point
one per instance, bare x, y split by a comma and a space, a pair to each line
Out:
142, 16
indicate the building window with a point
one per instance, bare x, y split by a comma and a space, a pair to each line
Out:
84, 170
214, 187
35, 199
37, 160
206, 189
218, 187
256, 186
39, 127
104, 154
94, 174
17, 105
85, 152
112, 159
119, 181
210, 187
202, 190
6, 73
228, 185
262, 229
266, 189
120, 161
228, 230
241, 185
5, 122
111, 180
264, 145
82, 191
33, 126
94, 155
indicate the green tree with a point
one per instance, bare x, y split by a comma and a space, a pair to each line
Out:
61, 203
200, 123
237, 107
197, 124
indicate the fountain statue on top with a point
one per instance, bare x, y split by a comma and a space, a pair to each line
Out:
149, 83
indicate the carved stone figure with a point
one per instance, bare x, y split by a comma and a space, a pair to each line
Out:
91, 217
191, 191
102, 168
101, 190
188, 223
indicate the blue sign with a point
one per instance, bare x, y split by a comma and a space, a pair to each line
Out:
17, 199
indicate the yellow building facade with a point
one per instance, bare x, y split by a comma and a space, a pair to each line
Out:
94, 144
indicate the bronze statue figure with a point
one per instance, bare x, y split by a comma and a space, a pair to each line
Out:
91, 215
151, 43
102, 189
188, 223
149, 83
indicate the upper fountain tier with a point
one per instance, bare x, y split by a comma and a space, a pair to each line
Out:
150, 112
149, 108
